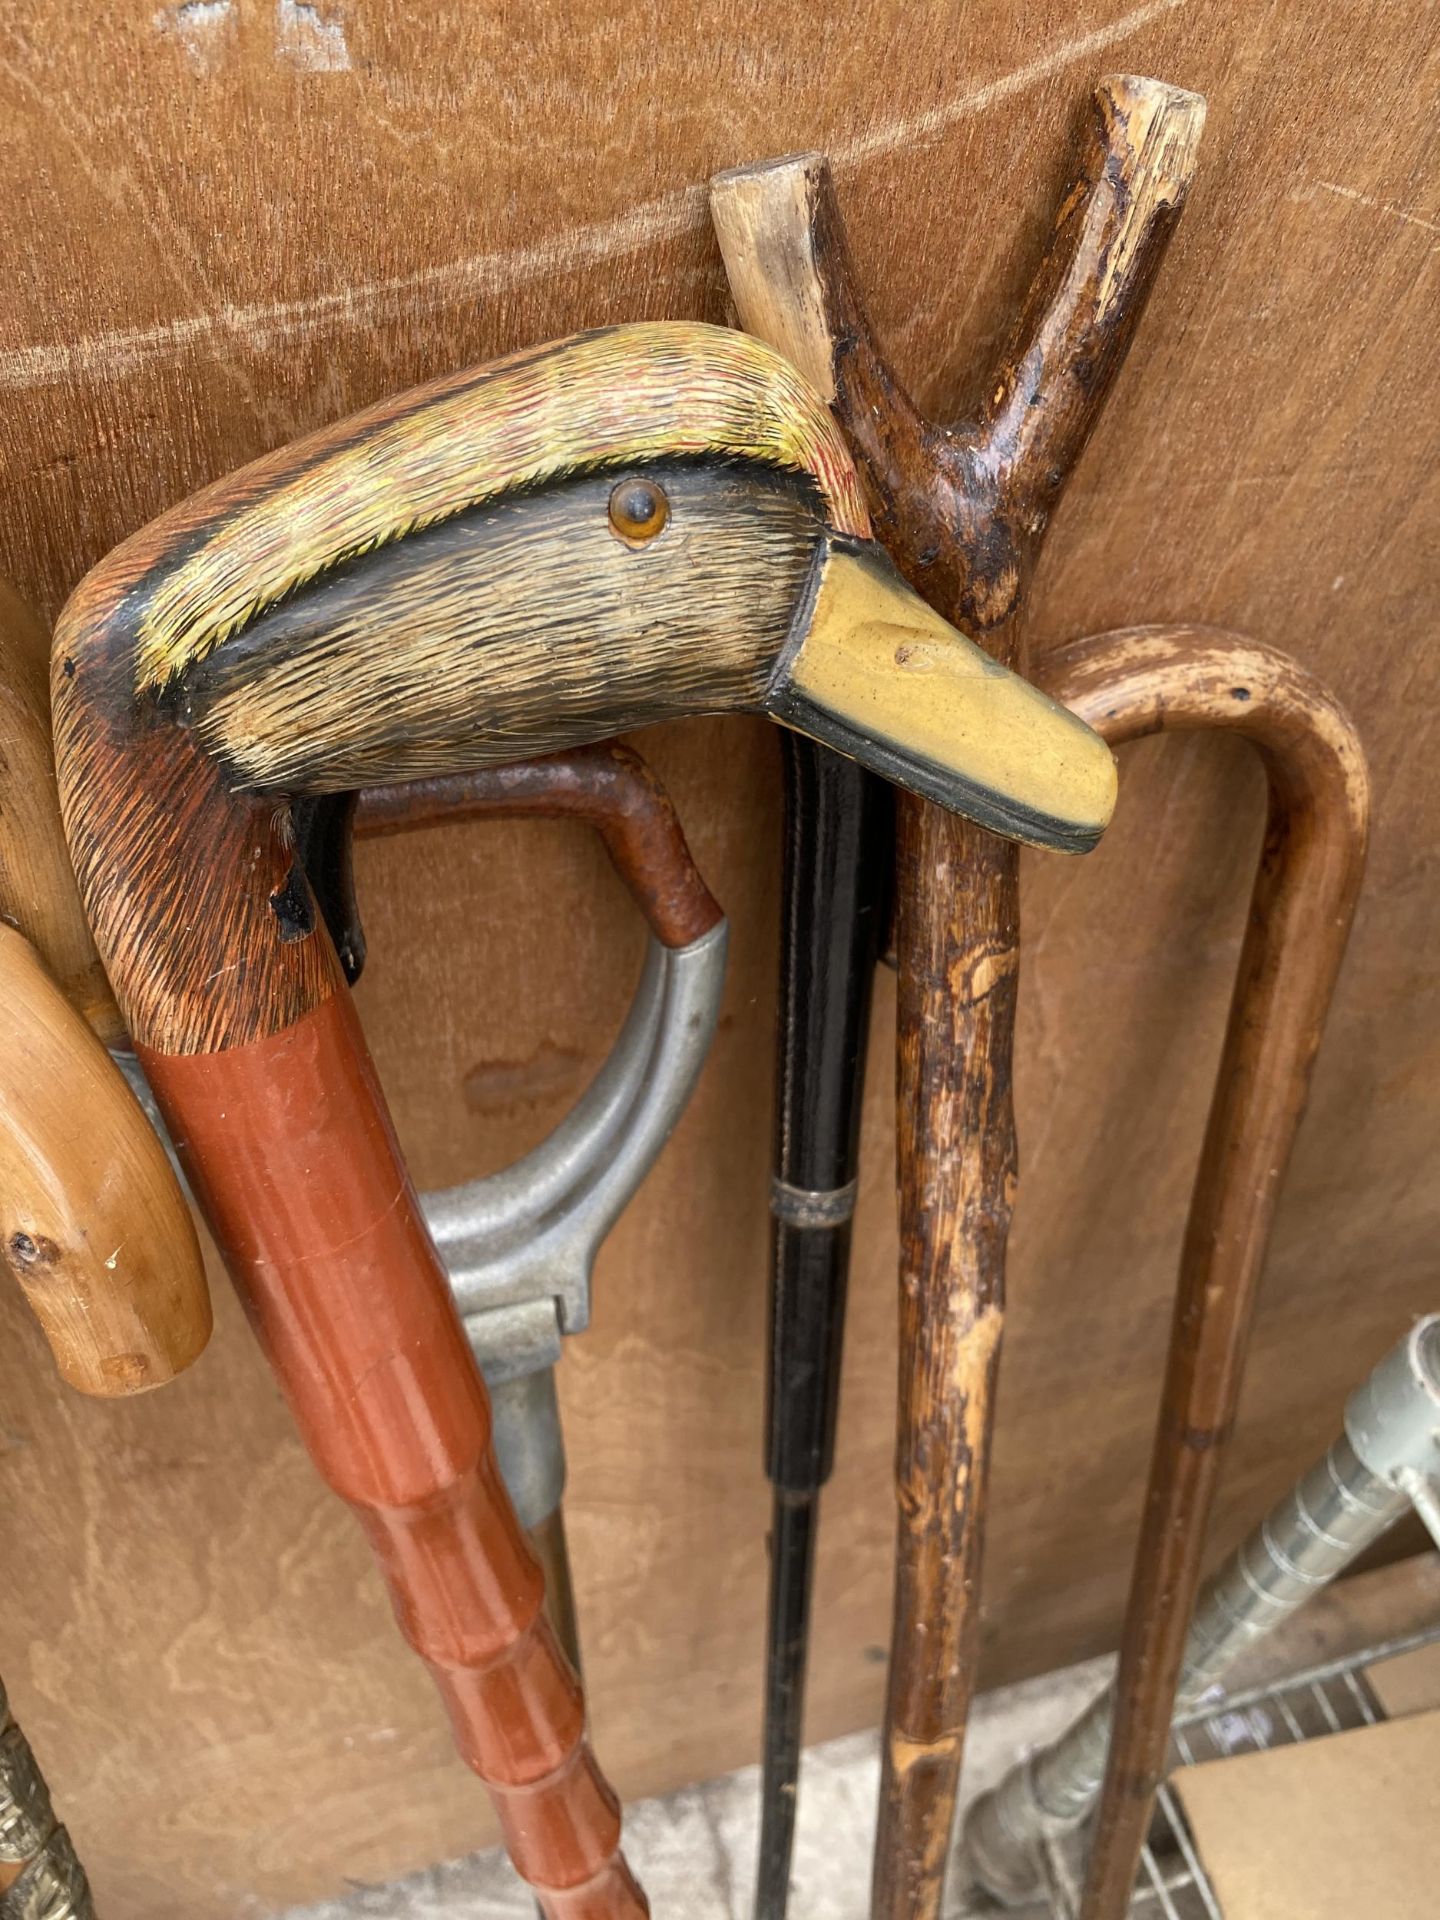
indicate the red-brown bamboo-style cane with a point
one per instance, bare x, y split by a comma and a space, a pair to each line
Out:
1130, 684
963, 510
630, 525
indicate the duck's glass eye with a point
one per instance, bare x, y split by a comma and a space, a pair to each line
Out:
638, 511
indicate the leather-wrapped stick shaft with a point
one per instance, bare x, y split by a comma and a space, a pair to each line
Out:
1131, 684
93, 1225
963, 512
626, 526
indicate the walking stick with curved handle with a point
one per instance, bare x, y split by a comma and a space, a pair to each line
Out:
1130, 684
963, 511
622, 527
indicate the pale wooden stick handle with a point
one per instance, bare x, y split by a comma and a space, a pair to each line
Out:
92, 1222
38, 893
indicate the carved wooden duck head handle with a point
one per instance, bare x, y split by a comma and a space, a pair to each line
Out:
624, 527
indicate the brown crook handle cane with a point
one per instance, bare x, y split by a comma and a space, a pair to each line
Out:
632, 524
1130, 684
963, 511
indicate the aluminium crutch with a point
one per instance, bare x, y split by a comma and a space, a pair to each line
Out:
519, 1247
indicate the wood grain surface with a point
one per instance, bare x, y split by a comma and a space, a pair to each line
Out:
229, 224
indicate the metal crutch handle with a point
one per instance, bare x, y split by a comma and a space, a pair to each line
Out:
532, 1230
520, 1245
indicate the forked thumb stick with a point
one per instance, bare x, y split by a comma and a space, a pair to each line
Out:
963, 511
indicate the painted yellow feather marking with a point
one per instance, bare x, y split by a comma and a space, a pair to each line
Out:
596, 400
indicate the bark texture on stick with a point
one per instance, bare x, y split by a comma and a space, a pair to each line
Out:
1154, 680
963, 510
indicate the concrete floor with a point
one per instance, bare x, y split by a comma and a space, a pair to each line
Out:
695, 1850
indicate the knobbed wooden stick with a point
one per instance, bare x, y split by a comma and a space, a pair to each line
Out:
1130, 684
963, 510
92, 1222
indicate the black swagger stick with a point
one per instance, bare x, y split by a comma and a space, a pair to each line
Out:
837, 876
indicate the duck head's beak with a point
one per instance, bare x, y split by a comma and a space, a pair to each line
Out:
871, 671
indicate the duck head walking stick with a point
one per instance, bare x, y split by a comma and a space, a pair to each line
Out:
623, 527
92, 1222
963, 510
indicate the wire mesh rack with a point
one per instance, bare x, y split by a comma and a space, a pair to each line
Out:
1322, 1700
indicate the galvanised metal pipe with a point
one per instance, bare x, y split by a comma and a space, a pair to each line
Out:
1362, 1486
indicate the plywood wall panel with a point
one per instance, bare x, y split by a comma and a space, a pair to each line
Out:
224, 225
